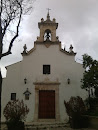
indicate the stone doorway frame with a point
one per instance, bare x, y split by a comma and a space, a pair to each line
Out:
47, 86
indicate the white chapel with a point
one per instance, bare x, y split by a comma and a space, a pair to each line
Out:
45, 77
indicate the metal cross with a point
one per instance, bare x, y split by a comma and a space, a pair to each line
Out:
48, 9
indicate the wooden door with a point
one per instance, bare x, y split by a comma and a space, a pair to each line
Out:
46, 104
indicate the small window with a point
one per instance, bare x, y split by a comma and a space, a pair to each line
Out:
46, 69
13, 96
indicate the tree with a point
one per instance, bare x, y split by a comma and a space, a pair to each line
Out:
96, 92
90, 76
11, 12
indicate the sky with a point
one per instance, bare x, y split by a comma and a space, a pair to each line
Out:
78, 25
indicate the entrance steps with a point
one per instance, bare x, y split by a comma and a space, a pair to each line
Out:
41, 125
45, 125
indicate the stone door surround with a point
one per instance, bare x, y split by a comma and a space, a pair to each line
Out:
47, 86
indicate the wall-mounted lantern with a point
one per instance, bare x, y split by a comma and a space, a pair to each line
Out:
25, 81
68, 81
27, 94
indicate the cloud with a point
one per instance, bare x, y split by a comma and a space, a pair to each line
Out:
78, 25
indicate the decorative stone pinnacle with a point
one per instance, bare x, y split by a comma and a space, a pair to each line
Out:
25, 49
42, 20
71, 48
64, 48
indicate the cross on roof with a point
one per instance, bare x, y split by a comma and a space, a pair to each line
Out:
48, 9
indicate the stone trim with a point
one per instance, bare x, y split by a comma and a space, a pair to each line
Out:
46, 83
68, 53
51, 23
47, 86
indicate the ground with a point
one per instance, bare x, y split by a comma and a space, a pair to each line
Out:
59, 128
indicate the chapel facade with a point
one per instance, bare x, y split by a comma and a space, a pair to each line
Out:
45, 77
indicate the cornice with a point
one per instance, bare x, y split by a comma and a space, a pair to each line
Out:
68, 53
46, 83
48, 44
50, 23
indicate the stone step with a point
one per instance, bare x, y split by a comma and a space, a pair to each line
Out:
41, 125
44, 125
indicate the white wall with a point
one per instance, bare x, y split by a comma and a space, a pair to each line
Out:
62, 67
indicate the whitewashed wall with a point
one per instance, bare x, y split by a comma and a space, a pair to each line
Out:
62, 67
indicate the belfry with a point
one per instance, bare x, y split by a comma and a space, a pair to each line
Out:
47, 30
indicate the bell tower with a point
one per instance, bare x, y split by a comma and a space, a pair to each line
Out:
47, 30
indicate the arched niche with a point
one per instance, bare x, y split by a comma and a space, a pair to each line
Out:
47, 35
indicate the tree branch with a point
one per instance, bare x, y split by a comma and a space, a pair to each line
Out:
16, 35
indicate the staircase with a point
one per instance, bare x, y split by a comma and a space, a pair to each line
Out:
41, 125
45, 125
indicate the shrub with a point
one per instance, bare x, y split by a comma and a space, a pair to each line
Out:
93, 109
15, 113
15, 110
75, 108
76, 105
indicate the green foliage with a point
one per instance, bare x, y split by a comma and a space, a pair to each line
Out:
93, 102
93, 111
87, 60
15, 111
90, 76
96, 92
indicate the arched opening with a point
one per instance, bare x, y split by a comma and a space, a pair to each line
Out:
47, 35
